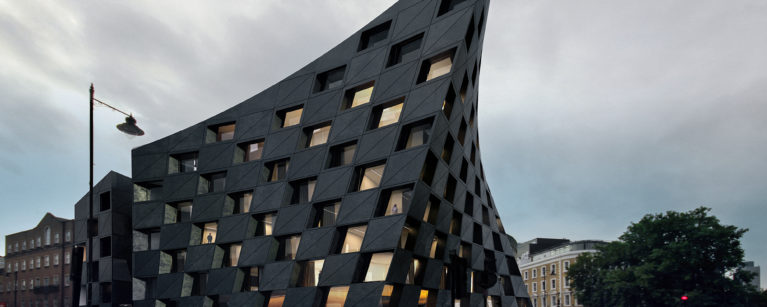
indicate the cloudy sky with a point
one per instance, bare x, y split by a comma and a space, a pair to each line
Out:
592, 113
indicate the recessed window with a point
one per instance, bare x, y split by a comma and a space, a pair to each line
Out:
105, 203
372, 36
180, 212
432, 210
462, 132
447, 104
265, 224
288, 247
464, 170
242, 202
342, 154
469, 38
233, 254
386, 114
378, 267
218, 133
474, 74
249, 151
429, 168
302, 190
447, 150
436, 66
437, 246
330, 79
477, 234
209, 231
325, 214
212, 183
105, 245
358, 96
415, 273
353, 239
251, 281
182, 163
337, 296
276, 170
395, 201
310, 273
316, 135
368, 177
148, 239
464, 87
468, 206
415, 134
179, 260
277, 299
147, 191
405, 51
289, 117
449, 192
448, 5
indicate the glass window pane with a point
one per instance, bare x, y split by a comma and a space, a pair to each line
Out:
277, 299
319, 136
209, 233
268, 222
225, 132
337, 296
399, 200
371, 177
312, 272
254, 151
326, 215
292, 118
418, 135
362, 96
439, 67
234, 254
379, 267
184, 211
243, 202
353, 240
390, 115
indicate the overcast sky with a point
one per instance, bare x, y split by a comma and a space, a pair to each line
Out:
592, 113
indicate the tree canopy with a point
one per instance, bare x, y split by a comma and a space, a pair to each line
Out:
664, 257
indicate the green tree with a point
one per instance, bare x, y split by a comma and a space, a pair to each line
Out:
663, 257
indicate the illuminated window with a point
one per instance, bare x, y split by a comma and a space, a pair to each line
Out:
407, 237
249, 151
211, 183
310, 273
436, 66
303, 190
423, 297
405, 51
179, 212
358, 96
209, 233
330, 79
353, 239
437, 247
265, 223
369, 177
414, 134
316, 135
387, 114
277, 298
276, 170
242, 202
432, 210
415, 273
326, 214
379, 267
182, 163
395, 201
288, 247
337, 296
386, 296
371, 37
234, 254
455, 224
342, 154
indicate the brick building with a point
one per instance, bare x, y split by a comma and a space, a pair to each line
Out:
37, 265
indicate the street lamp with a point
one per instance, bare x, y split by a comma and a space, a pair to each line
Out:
128, 127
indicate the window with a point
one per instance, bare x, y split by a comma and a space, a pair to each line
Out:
567, 299
242, 202
146, 191
212, 183
56, 238
379, 267
415, 273
553, 284
369, 177
464, 170
567, 282
526, 275
395, 201
353, 239
358, 96
288, 247
182, 163
432, 210
462, 132
302, 190
180, 212
47, 233
436, 66
218, 133
469, 37
543, 271
316, 135
405, 51
330, 79
249, 151
437, 247
39, 242
449, 192
337, 296
276, 299
234, 254
265, 223
310, 273
23, 265
68, 236
276, 170
429, 168
414, 134
326, 214
209, 231
37, 263
387, 114
455, 223
105, 244
372, 36
567, 266
535, 273
23, 245
342, 154
553, 268
251, 280
67, 258
447, 104
447, 6
447, 150
543, 285
289, 117
179, 260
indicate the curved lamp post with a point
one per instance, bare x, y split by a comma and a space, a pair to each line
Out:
128, 127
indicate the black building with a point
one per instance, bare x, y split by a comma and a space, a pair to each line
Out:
356, 180
105, 232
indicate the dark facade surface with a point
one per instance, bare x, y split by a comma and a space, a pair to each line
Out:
37, 265
356, 180
109, 276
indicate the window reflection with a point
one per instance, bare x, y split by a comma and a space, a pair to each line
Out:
379, 267
353, 239
371, 177
337, 296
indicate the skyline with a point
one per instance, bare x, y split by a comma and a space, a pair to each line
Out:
591, 113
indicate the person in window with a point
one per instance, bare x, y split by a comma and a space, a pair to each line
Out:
210, 238
394, 210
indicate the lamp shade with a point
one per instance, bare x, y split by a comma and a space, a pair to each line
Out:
129, 127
